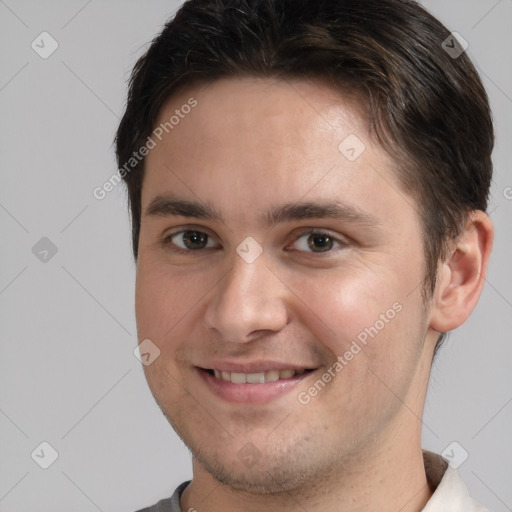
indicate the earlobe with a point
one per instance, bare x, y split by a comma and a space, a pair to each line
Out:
462, 275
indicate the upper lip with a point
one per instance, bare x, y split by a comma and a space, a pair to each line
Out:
254, 367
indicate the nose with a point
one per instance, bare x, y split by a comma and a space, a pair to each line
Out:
247, 303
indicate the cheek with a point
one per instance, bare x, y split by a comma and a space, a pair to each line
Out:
372, 329
165, 295
164, 303
151, 303
372, 309
170, 304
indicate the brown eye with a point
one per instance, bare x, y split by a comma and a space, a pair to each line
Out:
318, 242
190, 240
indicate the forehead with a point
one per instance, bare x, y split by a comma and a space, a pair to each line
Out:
274, 111
249, 141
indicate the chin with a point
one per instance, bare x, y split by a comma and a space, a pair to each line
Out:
262, 479
283, 471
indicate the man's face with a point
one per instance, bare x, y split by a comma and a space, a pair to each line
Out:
312, 285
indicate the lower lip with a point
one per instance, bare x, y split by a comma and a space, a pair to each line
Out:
250, 393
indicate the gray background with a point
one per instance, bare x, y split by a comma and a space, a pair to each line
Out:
67, 372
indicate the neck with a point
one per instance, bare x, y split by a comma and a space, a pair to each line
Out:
390, 476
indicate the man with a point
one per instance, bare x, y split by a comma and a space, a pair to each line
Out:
308, 182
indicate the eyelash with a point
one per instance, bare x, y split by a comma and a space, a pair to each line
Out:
342, 242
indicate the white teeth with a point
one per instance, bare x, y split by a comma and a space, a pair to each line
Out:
256, 378
238, 378
271, 375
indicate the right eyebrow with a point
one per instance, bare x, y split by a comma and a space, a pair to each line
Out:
163, 206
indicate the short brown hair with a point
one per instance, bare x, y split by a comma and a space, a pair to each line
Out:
426, 105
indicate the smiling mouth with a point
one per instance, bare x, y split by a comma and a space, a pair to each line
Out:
255, 378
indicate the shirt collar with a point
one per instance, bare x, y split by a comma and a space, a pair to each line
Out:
449, 491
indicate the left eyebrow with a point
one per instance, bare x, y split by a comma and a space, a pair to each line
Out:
288, 212
320, 210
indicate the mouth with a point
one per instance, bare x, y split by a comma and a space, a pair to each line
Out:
256, 387
256, 377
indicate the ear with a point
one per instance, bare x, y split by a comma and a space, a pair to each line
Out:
462, 274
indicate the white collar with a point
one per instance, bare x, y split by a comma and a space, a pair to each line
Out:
449, 491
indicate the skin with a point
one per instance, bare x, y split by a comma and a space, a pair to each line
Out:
248, 146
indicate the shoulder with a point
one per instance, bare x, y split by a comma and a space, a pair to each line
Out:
171, 504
